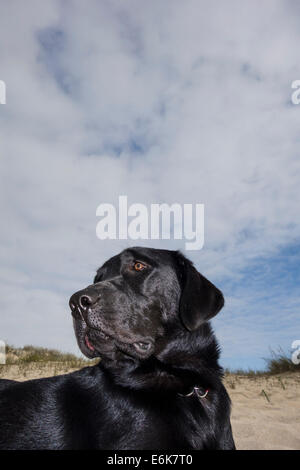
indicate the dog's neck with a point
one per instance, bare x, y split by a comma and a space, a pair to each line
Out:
188, 360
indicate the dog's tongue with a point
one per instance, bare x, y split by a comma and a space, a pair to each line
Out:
89, 344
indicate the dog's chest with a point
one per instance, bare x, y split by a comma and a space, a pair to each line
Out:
167, 424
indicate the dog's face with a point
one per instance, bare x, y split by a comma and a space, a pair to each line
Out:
135, 296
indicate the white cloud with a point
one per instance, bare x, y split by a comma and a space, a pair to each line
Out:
162, 101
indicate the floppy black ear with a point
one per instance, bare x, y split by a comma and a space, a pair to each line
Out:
200, 299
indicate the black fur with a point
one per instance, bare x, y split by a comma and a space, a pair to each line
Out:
149, 324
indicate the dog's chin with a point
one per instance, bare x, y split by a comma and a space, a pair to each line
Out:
90, 354
97, 343
111, 349
90, 347
93, 346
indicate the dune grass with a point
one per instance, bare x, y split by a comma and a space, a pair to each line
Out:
33, 354
278, 362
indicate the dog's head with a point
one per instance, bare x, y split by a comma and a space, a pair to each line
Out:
135, 298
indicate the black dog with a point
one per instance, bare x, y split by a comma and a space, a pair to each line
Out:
158, 384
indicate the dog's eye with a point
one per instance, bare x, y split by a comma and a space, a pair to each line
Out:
138, 266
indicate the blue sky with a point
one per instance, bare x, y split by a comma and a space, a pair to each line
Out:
269, 291
185, 102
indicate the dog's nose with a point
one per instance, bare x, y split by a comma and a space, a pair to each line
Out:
87, 300
82, 300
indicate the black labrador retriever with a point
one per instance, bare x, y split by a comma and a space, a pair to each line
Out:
158, 384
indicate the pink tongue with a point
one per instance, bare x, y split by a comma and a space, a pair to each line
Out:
89, 344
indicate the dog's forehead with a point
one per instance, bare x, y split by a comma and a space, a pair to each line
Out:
111, 266
151, 255
147, 254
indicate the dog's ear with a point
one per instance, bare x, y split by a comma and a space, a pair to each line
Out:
200, 299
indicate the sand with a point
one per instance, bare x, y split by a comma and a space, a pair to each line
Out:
265, 410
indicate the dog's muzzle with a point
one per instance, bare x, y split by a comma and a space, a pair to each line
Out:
83, 303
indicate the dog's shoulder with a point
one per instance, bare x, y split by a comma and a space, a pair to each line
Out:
5, 384
52, 388
49, 412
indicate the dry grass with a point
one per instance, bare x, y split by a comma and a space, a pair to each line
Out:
37, 354
32, 362
279, 362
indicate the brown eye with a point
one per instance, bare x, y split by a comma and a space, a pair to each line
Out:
139, 266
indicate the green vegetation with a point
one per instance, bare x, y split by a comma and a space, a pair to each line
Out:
278, 363
29, 354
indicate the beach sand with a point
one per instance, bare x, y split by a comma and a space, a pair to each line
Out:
265, 409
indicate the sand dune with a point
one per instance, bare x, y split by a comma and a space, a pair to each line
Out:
265, 410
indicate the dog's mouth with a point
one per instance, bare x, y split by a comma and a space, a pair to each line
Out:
142, 347
88, 344
90, 340
94, 341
